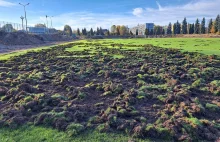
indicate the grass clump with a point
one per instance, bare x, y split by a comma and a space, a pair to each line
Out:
212, 107
74, 129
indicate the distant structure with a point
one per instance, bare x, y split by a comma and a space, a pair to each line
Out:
141, 28
41, 30
37, 30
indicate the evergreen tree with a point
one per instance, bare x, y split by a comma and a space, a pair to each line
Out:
178, 27
174, 28
78, 32
184, 26
146, 32
210, 26
169, 29
85, 32
217, 24
97, 32
101, 31
193, 28
203, 26
136, 31
118, 30
91, 32
197, 27
163, 32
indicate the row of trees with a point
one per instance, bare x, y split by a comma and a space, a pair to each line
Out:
195, 28
176, 28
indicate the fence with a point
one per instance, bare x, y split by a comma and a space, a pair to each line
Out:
11, 27
15, 27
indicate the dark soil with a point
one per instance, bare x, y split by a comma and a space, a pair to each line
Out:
152, 92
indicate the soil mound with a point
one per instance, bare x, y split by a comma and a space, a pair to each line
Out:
21, 38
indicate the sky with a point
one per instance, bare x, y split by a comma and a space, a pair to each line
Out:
104, 13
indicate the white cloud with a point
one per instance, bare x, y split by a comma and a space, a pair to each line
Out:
138, 11
192, 10
161, 15
4, 3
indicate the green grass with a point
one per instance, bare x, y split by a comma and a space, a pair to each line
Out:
207, 46
41, 134
21, 52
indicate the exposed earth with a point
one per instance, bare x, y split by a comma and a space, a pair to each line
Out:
142, 90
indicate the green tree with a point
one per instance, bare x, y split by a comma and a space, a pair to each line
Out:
68, 30
40, 25
217, 24
113, 29
193, 28
78, 32
146, 32
91, 32
97, 32
169, 29
122, 30
174, 28
163, 32
136, 31
210, 26
101, 31
197, 27
118, 30
178, 27
203, 26
107, 33
131, 33
184, 26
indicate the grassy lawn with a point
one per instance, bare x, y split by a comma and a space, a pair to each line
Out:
42, 134
203, 45
206, 46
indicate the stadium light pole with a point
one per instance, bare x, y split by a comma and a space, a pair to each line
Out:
22, 19
24, 5
51, 21
47, 24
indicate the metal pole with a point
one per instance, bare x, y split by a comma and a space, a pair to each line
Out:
25, 12
22, 18
51, 21
47, 24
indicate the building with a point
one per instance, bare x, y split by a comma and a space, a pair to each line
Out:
37, 30
141, 28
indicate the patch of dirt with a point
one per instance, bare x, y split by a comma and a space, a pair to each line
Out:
151, 92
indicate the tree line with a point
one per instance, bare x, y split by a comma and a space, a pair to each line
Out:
195, 28
175, 28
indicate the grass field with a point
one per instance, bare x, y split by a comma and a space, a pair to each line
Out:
202, 45
42, 134
112, 90
206, 46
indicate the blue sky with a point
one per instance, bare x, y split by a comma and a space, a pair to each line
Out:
93, 13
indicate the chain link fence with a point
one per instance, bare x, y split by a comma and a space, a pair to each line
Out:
15, 27
11, 27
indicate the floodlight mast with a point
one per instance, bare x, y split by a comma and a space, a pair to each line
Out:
25, 15
51, 21
22, 18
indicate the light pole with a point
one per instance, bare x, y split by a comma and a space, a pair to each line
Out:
24, 5
22, 19
51, 21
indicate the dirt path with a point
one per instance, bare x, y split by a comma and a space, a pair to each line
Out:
8, 49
